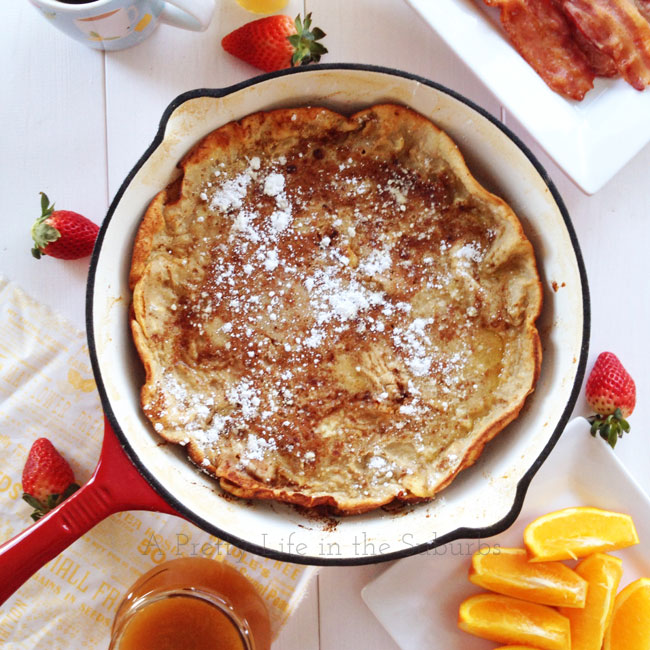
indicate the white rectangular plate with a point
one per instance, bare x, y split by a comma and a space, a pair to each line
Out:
417, 598
590, 140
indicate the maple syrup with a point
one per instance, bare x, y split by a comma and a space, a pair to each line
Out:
192, 604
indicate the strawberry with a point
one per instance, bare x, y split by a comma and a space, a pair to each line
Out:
47, 478
62, 233
276, 42
611, 392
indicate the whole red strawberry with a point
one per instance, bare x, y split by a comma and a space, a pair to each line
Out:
62, 233
48, 480
611, 392
276, 42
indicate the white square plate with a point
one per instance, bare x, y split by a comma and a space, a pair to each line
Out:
590, 140
417, 598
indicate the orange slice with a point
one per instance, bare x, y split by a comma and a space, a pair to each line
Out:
588, 625
508, 571
630, 626
516, 647
577, 532
509, 620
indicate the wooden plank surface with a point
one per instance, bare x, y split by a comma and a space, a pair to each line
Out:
53, 140
345, 621
302, 630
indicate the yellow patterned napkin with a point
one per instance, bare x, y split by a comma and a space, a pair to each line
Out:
47, 389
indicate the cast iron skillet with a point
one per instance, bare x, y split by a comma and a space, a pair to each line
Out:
136, 472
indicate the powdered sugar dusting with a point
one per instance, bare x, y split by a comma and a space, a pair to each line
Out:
470, 251
376, 263
246, 397
274, 184
256, 448
331, 290
232, 193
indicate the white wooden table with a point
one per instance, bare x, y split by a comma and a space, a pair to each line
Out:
74, 122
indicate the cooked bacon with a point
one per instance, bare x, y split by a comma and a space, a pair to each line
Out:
541, 34
644, 8
618, 30
602, 64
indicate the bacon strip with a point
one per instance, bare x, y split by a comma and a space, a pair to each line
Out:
644, 8
600, 63
618, 30
541, 34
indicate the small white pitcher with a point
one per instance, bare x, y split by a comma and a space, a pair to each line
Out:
117, 24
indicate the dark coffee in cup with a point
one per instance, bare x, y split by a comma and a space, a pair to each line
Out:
76, 2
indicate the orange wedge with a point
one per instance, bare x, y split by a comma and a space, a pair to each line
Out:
577, 532
516, 647
508, 571
630, 626
509, 620
588, 625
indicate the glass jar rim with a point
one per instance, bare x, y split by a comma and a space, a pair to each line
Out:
122, 618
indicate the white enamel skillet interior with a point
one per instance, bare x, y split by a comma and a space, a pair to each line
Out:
486, 498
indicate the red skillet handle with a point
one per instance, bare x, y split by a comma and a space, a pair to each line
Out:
116, 485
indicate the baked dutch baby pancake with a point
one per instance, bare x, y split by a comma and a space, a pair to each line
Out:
331, 310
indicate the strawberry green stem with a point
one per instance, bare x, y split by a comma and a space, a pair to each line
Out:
610, 427
53, 500
42, 232
304, 42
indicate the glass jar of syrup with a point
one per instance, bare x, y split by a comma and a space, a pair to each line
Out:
192, 604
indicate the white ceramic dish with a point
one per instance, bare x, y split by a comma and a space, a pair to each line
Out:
417, 599
485, 498
590, 140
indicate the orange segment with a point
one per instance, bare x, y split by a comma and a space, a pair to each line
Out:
509, 620
516, 647
508, 571
577, 532
588, 625
630, 626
